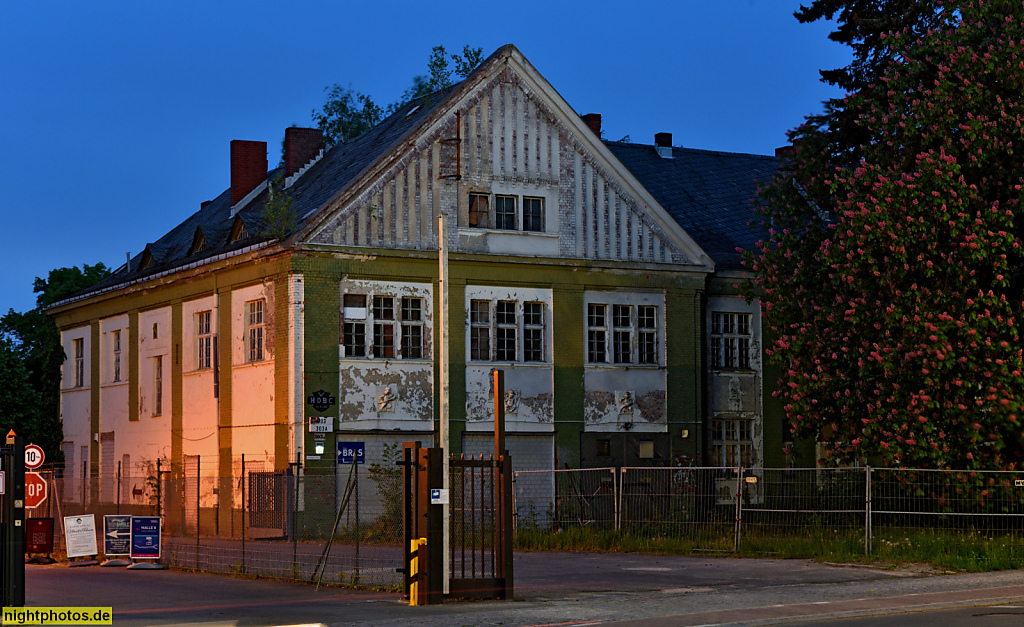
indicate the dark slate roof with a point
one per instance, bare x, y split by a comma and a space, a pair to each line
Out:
710, 194
335, 171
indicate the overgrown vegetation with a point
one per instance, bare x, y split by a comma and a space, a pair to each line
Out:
31, 357
970, 551
347, 113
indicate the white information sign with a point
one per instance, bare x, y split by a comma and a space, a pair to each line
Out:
321, 424
80, 533
438, 496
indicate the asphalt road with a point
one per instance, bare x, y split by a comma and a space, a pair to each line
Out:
562, 588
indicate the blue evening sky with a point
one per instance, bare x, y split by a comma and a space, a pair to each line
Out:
115, 117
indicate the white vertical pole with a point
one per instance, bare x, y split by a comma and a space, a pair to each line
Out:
445, 384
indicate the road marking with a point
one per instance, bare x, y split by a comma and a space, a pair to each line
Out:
652, 569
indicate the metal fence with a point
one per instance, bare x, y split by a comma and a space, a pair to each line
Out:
342, 527
722, 509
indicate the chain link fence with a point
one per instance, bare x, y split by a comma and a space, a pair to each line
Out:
341, 526
722, 509
344, 526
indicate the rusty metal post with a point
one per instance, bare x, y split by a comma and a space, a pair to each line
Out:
499, 413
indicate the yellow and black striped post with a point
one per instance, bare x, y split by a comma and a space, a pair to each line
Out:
414, 570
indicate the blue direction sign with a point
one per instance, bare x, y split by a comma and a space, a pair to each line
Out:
117, 535
145, 537
351, 452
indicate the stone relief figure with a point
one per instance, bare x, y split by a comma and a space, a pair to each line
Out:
512, 401
735, 394
386, 400
627, 402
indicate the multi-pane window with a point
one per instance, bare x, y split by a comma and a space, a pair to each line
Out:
254, 330
204, 340
622, 334
647, 326
505, 212
533, 214
533, 331
354, 327
383, 327
394, 322
78, 345
115, 348
505, 336
480, 330
412, 328
158, 386
506, 321
730, 340
479, 211
597, 333
731, 442
501, 211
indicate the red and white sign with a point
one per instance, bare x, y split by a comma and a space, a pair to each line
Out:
34, 456
35, 490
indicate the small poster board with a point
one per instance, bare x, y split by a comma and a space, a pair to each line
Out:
146, 537
39, 535
117, 534
80, 534
321, 424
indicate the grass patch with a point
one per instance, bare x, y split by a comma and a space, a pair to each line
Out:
967, 551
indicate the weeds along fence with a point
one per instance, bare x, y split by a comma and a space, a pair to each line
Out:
342, 526
868, 510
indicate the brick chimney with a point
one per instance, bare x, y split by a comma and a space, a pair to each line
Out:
593, 120
663, 143
301, 145
248, 167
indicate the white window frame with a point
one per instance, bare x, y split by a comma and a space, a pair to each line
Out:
356, 321
483, 212
78, 347
115, 356
609, 325
204, 339
255, 316
731, 336
732, 442
158, 386
498, 328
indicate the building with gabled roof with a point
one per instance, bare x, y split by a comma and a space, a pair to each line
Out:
299, 309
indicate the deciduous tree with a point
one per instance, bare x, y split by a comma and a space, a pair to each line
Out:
893, 276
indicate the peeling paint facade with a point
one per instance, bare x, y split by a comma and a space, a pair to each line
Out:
564, 272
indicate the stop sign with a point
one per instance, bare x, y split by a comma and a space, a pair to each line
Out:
35, 490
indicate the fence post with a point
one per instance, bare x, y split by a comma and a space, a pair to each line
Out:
355, 470
243, 513
118, 488
867, 512
159, 509
199, 489
617, 496
739, 509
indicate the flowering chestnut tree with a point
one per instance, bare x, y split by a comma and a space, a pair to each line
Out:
892, 280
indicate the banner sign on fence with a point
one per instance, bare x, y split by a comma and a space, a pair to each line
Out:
117, 534
39, 535
145, 537
80, 535
351, 452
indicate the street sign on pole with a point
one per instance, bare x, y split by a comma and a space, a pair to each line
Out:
35, 490
34, 457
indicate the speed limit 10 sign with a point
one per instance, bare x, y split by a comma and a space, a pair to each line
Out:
34, 456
